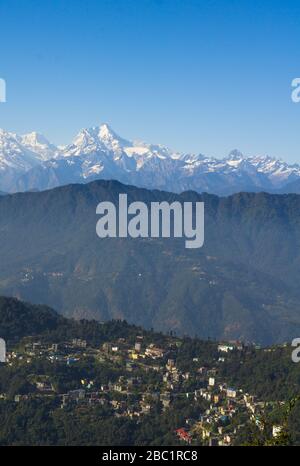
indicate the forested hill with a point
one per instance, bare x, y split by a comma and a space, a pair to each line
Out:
243, 284
19, 319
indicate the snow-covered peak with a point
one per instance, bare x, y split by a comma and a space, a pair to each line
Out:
103, 138
235, 154
85, 142
35, 139
37, 143
100, 152
13, 154
8, 145
277, 170
111, 139
192, 158
97, 138
7, 137
106, 133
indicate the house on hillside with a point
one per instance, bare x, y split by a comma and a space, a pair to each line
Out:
182, 434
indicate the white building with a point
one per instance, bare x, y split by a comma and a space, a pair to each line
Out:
225, 348
231, 392
211, 381
276, 431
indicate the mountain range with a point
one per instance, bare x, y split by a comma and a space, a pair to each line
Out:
242, 284
31, 162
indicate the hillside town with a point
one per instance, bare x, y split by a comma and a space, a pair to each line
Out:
147, 377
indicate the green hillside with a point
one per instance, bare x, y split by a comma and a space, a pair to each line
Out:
243, 284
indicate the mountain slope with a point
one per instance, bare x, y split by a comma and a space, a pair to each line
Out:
19, 319
242, 284
30, 162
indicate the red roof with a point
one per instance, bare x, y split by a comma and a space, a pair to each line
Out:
183, 434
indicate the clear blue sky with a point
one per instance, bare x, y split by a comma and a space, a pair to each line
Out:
201, 76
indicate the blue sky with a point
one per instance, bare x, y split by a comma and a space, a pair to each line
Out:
200, 76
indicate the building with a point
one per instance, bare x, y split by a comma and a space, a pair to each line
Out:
211, 381
276, 431
44, 386
225, 348
231, 392
154, 352
216, 399
79, 343
138, 347
107, 347
170, 364
133, 355
165, 399
213, 442
184, 435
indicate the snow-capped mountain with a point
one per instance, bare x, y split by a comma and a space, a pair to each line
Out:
14, 155
31, 162
39, 145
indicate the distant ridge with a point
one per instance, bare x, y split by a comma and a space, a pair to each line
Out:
243, 284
